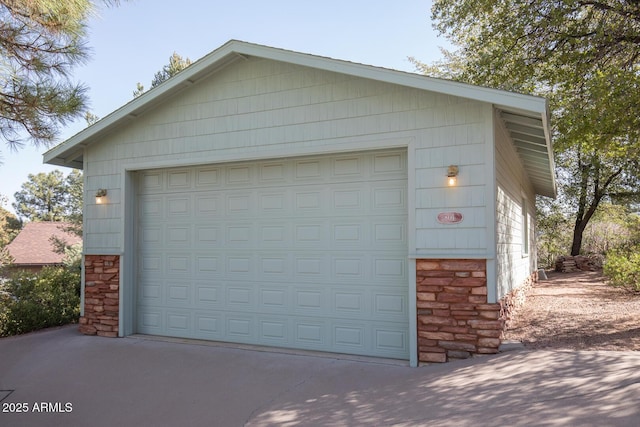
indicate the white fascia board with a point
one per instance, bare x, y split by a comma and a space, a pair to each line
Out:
529, 103
552, 165
135, 107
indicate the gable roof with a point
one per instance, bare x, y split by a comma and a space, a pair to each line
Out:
32, 246
525, 116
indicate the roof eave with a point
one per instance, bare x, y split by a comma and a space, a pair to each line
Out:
530, 135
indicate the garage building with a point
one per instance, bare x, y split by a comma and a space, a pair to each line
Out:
275, 198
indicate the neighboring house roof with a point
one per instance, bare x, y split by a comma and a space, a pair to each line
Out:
525, 116
32, 246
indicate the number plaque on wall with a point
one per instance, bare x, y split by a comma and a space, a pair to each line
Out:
449, 217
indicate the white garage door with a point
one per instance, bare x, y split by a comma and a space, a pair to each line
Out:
307, 253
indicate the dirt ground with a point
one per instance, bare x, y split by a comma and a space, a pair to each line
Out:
577, 311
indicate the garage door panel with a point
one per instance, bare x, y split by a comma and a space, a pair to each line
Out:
274, 172
310, 333
311, 266
389, 198
178, 206
349, 304
239, 175
276, 266
208, 204
348, 235
150, 321
275, 235
150, 293
389, 342
240, 328
178, 322
239, 266
274, 299
389, 304
209, 295
350, 337
179, 294
388, 164
389, 233
348, 267
241, 298
309, 202
178, 264
239, 204
387, 270
151, 182
179, 180
208, 266
208, 325
309, 301
151, 265
309, 170
273, 203
152, 236
150, 207
178, 236
207, 177
305, 253
348, 199
351, 165
275, 330
239, 235
310, 234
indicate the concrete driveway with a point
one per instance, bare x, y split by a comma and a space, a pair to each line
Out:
92, 381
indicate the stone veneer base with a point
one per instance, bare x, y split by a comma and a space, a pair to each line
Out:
454, 318
101, 295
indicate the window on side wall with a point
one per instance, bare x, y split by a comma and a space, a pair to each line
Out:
525, 228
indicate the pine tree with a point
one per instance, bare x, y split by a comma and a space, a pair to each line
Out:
41, 41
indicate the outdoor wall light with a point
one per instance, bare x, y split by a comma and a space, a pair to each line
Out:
101, 196
452, 175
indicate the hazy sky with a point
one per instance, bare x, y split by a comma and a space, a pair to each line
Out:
132, 42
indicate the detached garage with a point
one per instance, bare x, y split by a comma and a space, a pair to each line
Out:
274, 198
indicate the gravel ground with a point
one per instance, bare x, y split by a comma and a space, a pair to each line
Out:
577, 311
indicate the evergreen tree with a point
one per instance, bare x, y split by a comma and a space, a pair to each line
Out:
51, 197
41, 41
176, 64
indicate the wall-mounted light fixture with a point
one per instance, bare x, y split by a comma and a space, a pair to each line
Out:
101, 196
452, 175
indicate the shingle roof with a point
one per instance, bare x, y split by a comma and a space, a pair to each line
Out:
32, 246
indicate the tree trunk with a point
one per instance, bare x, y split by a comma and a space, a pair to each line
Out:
587, 209
581, 223
578, 230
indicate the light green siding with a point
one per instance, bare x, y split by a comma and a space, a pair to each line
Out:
261, 108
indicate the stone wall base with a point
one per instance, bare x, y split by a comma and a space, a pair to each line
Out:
454, 319
514, 300
101, 295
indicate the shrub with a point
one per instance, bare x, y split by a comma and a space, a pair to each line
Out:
623, 269
32, 301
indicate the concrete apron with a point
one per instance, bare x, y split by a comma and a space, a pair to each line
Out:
82, 380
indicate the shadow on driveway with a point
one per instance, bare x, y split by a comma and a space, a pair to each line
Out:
135, 381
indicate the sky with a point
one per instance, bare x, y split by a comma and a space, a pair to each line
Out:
133, 41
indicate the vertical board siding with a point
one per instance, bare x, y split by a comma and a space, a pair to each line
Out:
513, 265
261, 106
